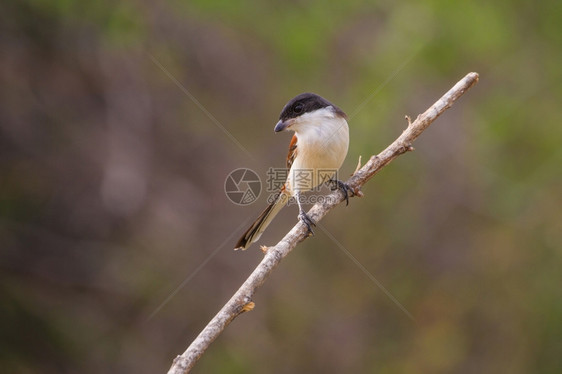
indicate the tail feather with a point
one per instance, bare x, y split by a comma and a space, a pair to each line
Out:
258, 227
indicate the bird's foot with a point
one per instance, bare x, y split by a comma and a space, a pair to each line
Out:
307, 221
343, 187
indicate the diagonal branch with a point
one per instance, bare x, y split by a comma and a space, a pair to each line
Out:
241, 301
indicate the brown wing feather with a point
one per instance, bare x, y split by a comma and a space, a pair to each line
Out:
292, 152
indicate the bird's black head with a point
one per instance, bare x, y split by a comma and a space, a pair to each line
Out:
302, 104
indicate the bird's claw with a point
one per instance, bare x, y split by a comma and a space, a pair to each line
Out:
308, 222
343, 187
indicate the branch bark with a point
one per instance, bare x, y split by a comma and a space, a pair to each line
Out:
241, 301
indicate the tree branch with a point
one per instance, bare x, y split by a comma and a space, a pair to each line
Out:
241, 301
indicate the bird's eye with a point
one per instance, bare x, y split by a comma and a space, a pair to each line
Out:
298, 108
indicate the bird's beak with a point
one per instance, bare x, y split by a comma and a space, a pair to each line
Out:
281, 125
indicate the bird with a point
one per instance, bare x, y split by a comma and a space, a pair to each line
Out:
319, 145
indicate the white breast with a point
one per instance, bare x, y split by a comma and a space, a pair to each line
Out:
322, 143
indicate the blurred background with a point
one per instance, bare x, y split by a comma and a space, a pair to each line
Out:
120, 121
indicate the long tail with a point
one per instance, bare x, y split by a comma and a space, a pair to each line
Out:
258, 227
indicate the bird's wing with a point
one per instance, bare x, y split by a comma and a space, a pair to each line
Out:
292, 152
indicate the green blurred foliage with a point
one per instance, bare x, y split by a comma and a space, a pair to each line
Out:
116, 234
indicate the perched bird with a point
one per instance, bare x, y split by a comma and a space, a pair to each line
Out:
318, 146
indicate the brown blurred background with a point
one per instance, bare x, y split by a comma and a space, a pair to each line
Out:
116, 235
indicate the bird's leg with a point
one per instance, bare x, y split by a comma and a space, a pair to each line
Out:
343, 187
304, 217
